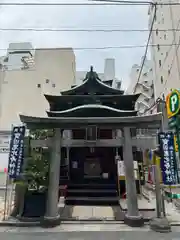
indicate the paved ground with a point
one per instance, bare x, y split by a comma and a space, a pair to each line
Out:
2, 203
172, 212
87, 231
3, 177
96, 212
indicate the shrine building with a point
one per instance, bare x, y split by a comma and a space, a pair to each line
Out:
93, 125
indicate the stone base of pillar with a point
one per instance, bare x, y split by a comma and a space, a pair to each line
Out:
49, 222
134, 221
161, 225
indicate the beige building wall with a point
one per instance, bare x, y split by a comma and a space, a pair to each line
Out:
165, 52
22, 91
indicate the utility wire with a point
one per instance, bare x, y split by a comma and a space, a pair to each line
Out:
128, 2
85, 30
147, 45
91, 3
93, 48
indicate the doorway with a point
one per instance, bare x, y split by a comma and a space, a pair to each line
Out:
96, 164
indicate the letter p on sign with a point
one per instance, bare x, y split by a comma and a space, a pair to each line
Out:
174, 100
173, 103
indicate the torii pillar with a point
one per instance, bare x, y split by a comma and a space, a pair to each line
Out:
132, 218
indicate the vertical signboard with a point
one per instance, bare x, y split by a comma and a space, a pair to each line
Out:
168, 159
16, 154
173, 103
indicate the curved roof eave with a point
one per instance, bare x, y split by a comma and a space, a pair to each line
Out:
50, 98
91, 106
150, 121
85, 82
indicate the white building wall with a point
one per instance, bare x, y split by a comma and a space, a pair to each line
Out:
22, 91
19, 50
166, 59
144, 86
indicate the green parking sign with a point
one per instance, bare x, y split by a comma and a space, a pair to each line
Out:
173, 103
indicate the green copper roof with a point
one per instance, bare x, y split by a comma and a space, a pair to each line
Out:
92, 84
122, 102
92, 110
151, 121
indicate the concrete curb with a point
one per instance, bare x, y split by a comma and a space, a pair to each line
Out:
38, 224
19, 224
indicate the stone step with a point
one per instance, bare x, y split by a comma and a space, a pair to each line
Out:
92, 186
91, 193
92, 201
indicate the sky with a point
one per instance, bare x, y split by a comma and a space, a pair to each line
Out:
80, 17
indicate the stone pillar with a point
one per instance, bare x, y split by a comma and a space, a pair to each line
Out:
52, 217
132, 217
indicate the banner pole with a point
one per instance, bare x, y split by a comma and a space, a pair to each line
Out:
5, 197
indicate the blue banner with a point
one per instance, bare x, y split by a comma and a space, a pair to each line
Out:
16, 154
168, 158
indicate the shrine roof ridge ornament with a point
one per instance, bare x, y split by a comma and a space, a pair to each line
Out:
92, 76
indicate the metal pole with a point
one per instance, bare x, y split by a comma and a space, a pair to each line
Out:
5, 197
68, 161
139, 178
10, 199
159, 199
117, 159
163, 204
178, 155
157, 191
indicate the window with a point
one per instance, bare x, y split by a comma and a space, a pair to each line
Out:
166, 54
163, 20
159, 63
145, 74
137, 70
164, 36
47, 80
158, 47
39, 85
161, 79
169, 71
156, 32
53, 85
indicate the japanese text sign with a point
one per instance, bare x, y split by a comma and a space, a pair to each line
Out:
16, 154
168, 166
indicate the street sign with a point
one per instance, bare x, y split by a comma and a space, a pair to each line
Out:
16, 154
176, 143
168, 158
173, 103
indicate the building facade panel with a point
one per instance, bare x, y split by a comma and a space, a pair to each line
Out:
165, 50
22, 90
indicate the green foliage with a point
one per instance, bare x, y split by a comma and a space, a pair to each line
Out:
41, 134
37, 165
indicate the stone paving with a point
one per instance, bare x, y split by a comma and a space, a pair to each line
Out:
108, 212
142, 204
172, 213
2, 204
93, 212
